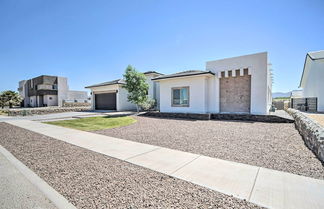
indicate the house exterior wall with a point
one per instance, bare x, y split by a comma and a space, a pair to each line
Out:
122, 101
154, 88
22, 89
50, 102
257, 65
213, 95
151, 92
313, 83
157, 94
122, 104
32, 101
62, 90
198, 102
42, 85
79, 96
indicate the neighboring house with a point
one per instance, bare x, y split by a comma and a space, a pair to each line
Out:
312, 80
233, 85
48, 91
112, 96
296, 94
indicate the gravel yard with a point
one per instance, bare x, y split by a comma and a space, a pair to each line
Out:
319, 117
92, 180
272, 145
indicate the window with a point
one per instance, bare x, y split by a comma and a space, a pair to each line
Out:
180, 97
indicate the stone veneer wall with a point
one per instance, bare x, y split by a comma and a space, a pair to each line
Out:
76, 104
178, 115
44, 110
311, 131
242, 117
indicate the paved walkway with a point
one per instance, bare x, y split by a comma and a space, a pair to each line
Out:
265, 187
282, 114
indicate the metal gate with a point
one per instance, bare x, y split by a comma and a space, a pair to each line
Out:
308, 104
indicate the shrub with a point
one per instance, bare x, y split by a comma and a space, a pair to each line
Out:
148, 104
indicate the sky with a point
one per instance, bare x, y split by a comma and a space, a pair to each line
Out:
93, 41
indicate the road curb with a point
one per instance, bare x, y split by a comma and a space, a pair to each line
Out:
58, 200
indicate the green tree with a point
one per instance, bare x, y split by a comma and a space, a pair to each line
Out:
10, 98
2, 101
135, 84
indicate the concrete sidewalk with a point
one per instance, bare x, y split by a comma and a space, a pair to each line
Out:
16, 191
21, 188
265, 187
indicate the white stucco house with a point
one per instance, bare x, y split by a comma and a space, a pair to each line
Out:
234, 85
111, 96
312, 80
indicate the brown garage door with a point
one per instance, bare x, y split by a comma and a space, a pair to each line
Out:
105, 101
235, 93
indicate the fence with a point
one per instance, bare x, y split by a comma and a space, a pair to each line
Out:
308, 104
281, 104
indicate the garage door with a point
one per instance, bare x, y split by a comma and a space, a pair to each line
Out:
235, 93
105, 101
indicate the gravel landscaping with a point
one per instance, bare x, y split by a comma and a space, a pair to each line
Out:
272, 145
319, 117
93, 180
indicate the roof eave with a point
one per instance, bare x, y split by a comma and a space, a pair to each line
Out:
89, 87
156, 73
179, 76
301, 79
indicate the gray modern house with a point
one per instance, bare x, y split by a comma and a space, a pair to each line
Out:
44, 90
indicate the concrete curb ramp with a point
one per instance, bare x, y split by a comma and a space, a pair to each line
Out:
57, 199
264, 187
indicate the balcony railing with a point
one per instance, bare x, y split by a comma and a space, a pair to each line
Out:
46, 87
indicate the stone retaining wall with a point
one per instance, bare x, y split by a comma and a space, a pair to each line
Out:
76, 104
242, 117
250, 117
311, 131
178, 115
44, 110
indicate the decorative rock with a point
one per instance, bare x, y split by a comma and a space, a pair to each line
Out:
311, 131
44, 110
214, 116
